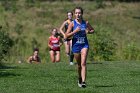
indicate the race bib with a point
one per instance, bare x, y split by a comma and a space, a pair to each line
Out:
55, 45
80, 40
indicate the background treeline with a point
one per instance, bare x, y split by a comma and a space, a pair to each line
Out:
27, 24
91, 0
88, 0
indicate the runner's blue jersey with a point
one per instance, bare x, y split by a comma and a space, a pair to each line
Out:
80, 38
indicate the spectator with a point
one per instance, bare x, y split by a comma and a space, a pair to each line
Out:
35, 57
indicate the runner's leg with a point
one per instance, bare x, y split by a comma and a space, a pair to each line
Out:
52, 55
57, 56
84, 53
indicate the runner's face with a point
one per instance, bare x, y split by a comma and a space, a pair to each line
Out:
78, 14
54, 32
69, 15
36, 53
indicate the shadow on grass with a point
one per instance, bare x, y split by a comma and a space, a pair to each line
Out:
95, 63
4, 66
7, 74
4, 71
104, 86
134, 73
91, 63
70, 70
7, 67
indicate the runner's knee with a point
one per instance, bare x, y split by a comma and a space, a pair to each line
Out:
83, 64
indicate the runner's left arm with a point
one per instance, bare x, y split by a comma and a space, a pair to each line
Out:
90, 29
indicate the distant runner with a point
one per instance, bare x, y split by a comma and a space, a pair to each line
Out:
68, 41
54, 44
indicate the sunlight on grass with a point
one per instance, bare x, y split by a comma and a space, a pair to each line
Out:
105, 77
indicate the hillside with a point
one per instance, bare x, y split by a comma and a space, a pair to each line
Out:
30, 23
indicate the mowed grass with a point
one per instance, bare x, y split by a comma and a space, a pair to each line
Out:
102, 77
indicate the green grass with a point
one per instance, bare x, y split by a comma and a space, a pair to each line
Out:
103, 77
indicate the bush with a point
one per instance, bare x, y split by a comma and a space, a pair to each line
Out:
5, 44
131, 52
103, 47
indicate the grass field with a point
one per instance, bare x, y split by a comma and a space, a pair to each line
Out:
29, 24
102, 77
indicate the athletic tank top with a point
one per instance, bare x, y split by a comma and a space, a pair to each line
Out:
54, 41
67, 24
37, 59
80, 37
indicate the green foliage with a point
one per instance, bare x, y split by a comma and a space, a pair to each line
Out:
131, 52
18, 28
103, 46
5, 43
30, 22
20, 47
35, 43
19, 40
29, 3
99, 3
9, 5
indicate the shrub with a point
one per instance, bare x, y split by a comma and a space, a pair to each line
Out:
5, 44
131, 52
103, 47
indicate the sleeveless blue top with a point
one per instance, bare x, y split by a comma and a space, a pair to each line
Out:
80, 38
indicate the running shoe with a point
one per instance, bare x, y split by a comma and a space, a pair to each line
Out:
80, 82
83, 85
71, 63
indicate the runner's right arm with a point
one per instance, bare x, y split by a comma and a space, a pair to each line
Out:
62, 28
69, 33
